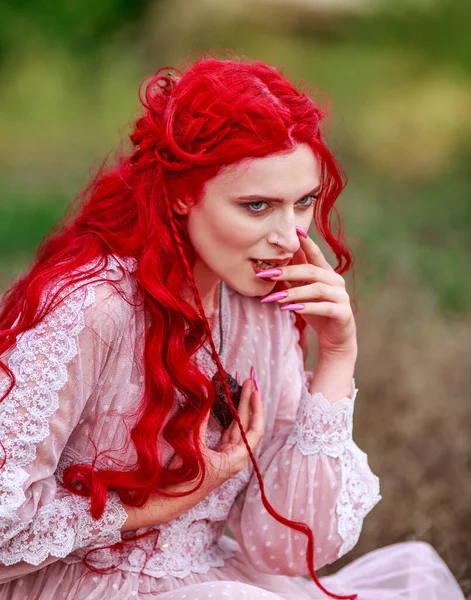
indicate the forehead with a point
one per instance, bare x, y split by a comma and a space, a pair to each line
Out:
279, 175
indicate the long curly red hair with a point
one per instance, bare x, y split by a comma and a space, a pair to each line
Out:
193, 123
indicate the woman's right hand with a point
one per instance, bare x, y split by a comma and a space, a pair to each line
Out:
231, 456
222, 463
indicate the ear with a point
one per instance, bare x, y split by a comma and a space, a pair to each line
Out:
181, 207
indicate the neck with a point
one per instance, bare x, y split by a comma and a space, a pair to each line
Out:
211, 305
207, 283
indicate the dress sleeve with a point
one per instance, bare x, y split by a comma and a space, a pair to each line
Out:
56, 365
313, 472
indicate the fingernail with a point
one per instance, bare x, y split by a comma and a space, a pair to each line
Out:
237, 377
301, 231
257, 387
292, 307
269, 273
254, 380
274, 297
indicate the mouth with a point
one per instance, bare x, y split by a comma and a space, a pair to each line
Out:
262, 265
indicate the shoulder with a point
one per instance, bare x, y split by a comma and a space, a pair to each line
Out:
114, 291
106, 296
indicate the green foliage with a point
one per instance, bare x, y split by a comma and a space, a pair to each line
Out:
26, 217
437, 29
78, 27
399, 86
420, 231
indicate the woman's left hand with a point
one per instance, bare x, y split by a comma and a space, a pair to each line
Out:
319, 294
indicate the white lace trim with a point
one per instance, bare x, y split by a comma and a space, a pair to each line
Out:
191, 543
321, 426
63, 525
359, 494
39, 362
324, 427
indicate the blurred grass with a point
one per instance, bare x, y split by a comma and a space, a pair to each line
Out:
403, 168
399, 81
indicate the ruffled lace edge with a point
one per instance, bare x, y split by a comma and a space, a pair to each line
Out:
62, 526
322, 426
358, 496
333, 424
66, 323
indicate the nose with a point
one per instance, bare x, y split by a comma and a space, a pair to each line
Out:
287, 239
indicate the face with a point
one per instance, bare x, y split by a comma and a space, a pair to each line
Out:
245, 209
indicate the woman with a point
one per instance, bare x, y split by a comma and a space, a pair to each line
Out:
128, 444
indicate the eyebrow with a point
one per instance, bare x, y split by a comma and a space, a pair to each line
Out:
260, 197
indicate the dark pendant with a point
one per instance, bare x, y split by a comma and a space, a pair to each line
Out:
221, 409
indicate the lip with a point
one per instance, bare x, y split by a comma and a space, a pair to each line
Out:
275, 261
258, 269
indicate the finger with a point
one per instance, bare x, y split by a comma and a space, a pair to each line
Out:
237, 454
203, 428
310, 273
256, 427
245, 405
243, 411
315, 291
299, 257
314, 253
232, 433
340, 313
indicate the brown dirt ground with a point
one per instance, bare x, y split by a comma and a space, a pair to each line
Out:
413, 419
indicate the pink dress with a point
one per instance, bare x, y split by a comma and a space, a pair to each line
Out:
80, 369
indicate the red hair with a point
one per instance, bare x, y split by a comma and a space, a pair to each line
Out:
217, 112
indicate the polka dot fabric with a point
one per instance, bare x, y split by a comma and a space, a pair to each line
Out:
228, 547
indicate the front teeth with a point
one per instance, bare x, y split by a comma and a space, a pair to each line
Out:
264, 265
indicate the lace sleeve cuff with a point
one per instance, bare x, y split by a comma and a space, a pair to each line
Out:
321, 426
324, 427
62, 526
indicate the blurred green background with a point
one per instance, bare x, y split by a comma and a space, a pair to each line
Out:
398, 78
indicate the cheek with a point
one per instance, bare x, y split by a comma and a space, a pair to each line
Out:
223, 232
222, 236
242, 233
239, 239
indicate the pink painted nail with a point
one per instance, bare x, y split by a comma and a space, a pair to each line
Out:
292, 307
254, 380
269, 273
274, 297
301, 231
257, 387
237, 377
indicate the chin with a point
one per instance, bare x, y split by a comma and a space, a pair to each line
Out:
251, 289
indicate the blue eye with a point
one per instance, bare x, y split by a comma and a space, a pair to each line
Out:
250, 205
311, 199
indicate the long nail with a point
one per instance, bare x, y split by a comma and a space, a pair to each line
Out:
254, 380
269, 273
301, 231
292, 307
257, 387
237, 377
275, 296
